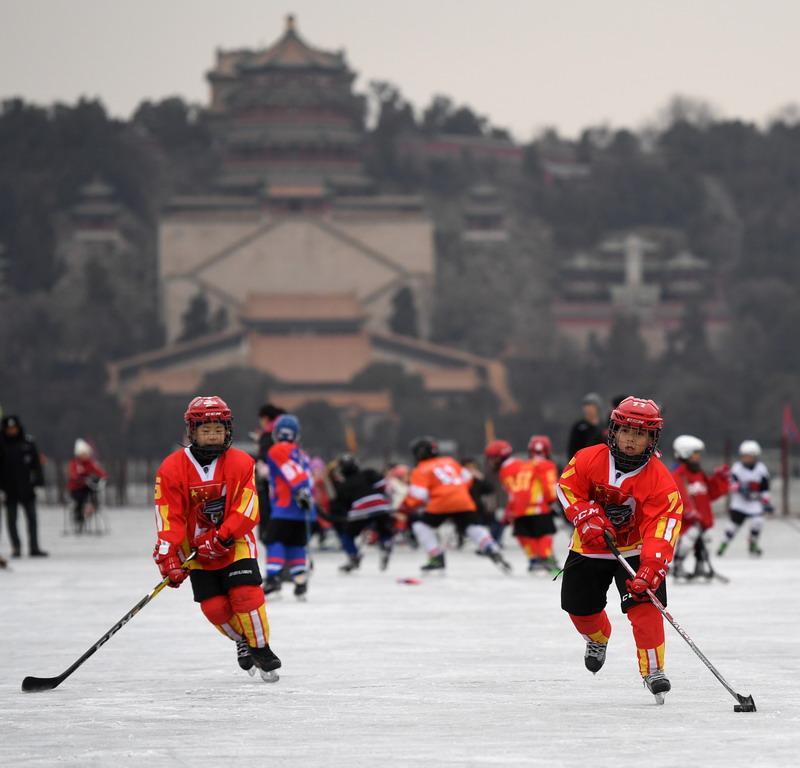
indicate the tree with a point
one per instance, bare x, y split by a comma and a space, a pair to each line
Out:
196, 320
404, 313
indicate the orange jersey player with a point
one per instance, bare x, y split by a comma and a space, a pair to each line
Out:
439, 490
531, 489
206, 502
623, 489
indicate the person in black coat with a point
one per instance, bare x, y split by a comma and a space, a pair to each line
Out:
589, 429
20, 474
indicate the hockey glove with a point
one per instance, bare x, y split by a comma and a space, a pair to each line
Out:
620, 515
303, 498
211, 547
590, 523
168, 562
649, 576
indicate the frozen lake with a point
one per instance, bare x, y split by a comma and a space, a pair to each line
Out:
473, 668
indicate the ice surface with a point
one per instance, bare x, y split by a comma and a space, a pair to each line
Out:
473, 668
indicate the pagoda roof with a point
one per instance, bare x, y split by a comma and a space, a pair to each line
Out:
290, 51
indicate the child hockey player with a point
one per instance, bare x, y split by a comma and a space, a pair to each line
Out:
205, 499
750, 498
530, 487
698, 490
623, 489
84, 477
293, 511
361, 503
439, 490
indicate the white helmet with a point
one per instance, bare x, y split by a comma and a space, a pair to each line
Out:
749, 448
685, 445
82, 448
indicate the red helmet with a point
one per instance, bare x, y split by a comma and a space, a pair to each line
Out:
498, 449
208, 410
540, 445
638, 413
204, 410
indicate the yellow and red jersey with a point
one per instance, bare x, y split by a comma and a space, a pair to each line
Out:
440, 485
650, 490
191, 499
530, 485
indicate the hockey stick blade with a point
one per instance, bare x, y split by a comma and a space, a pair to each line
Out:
36, 684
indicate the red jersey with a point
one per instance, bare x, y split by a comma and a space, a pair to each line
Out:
80, 470
650, 490
441, 485
698, 490
191, 499
530, 486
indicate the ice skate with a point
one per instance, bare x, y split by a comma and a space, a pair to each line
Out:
244, 658
658, 684
386, 553
266, 662
353, 563
754, 549
434, 564
533, 564
301, 590
594, 656
498, 559
722, 548
272, 585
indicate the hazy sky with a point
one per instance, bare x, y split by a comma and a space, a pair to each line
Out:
524, 63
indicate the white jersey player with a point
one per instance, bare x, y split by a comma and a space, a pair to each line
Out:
750, 498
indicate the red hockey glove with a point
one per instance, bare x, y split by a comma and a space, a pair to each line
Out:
168, 562
590, 522
649, 576
211, 547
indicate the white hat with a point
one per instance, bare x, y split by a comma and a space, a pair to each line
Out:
82, 448
684, 446
749, 448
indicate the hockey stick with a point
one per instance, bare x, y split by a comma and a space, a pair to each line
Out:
35, 684
745, 703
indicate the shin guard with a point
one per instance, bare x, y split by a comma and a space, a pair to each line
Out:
648, 633
247, 602
595, 627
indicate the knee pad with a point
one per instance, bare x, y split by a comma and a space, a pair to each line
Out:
217, 609
246, 597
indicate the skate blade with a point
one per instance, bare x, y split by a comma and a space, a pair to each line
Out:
660, 697
270, 676
301, 598
251, 671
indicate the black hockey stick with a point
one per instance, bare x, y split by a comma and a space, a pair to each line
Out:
745, 703
34, 684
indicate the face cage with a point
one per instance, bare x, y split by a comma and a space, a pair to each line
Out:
210, 452
622, 460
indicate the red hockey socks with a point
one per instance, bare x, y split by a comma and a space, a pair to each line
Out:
648, 632
219, 612
544, 547
247, 602
596, 627
528, 544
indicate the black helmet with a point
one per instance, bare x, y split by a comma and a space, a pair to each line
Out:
424, 448
348, 464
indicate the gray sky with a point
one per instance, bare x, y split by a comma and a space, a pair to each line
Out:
525, 64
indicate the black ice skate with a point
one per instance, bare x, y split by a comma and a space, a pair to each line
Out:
434, 564
352, 564
500, 562
266, 662
658, 684
386, 553
272, 585
301, 590
594, 656
243, 656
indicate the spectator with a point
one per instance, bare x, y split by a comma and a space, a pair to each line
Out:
587, 430
20, 474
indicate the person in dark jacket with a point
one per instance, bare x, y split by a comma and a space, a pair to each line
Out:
20, 474
361, 503
587, 430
